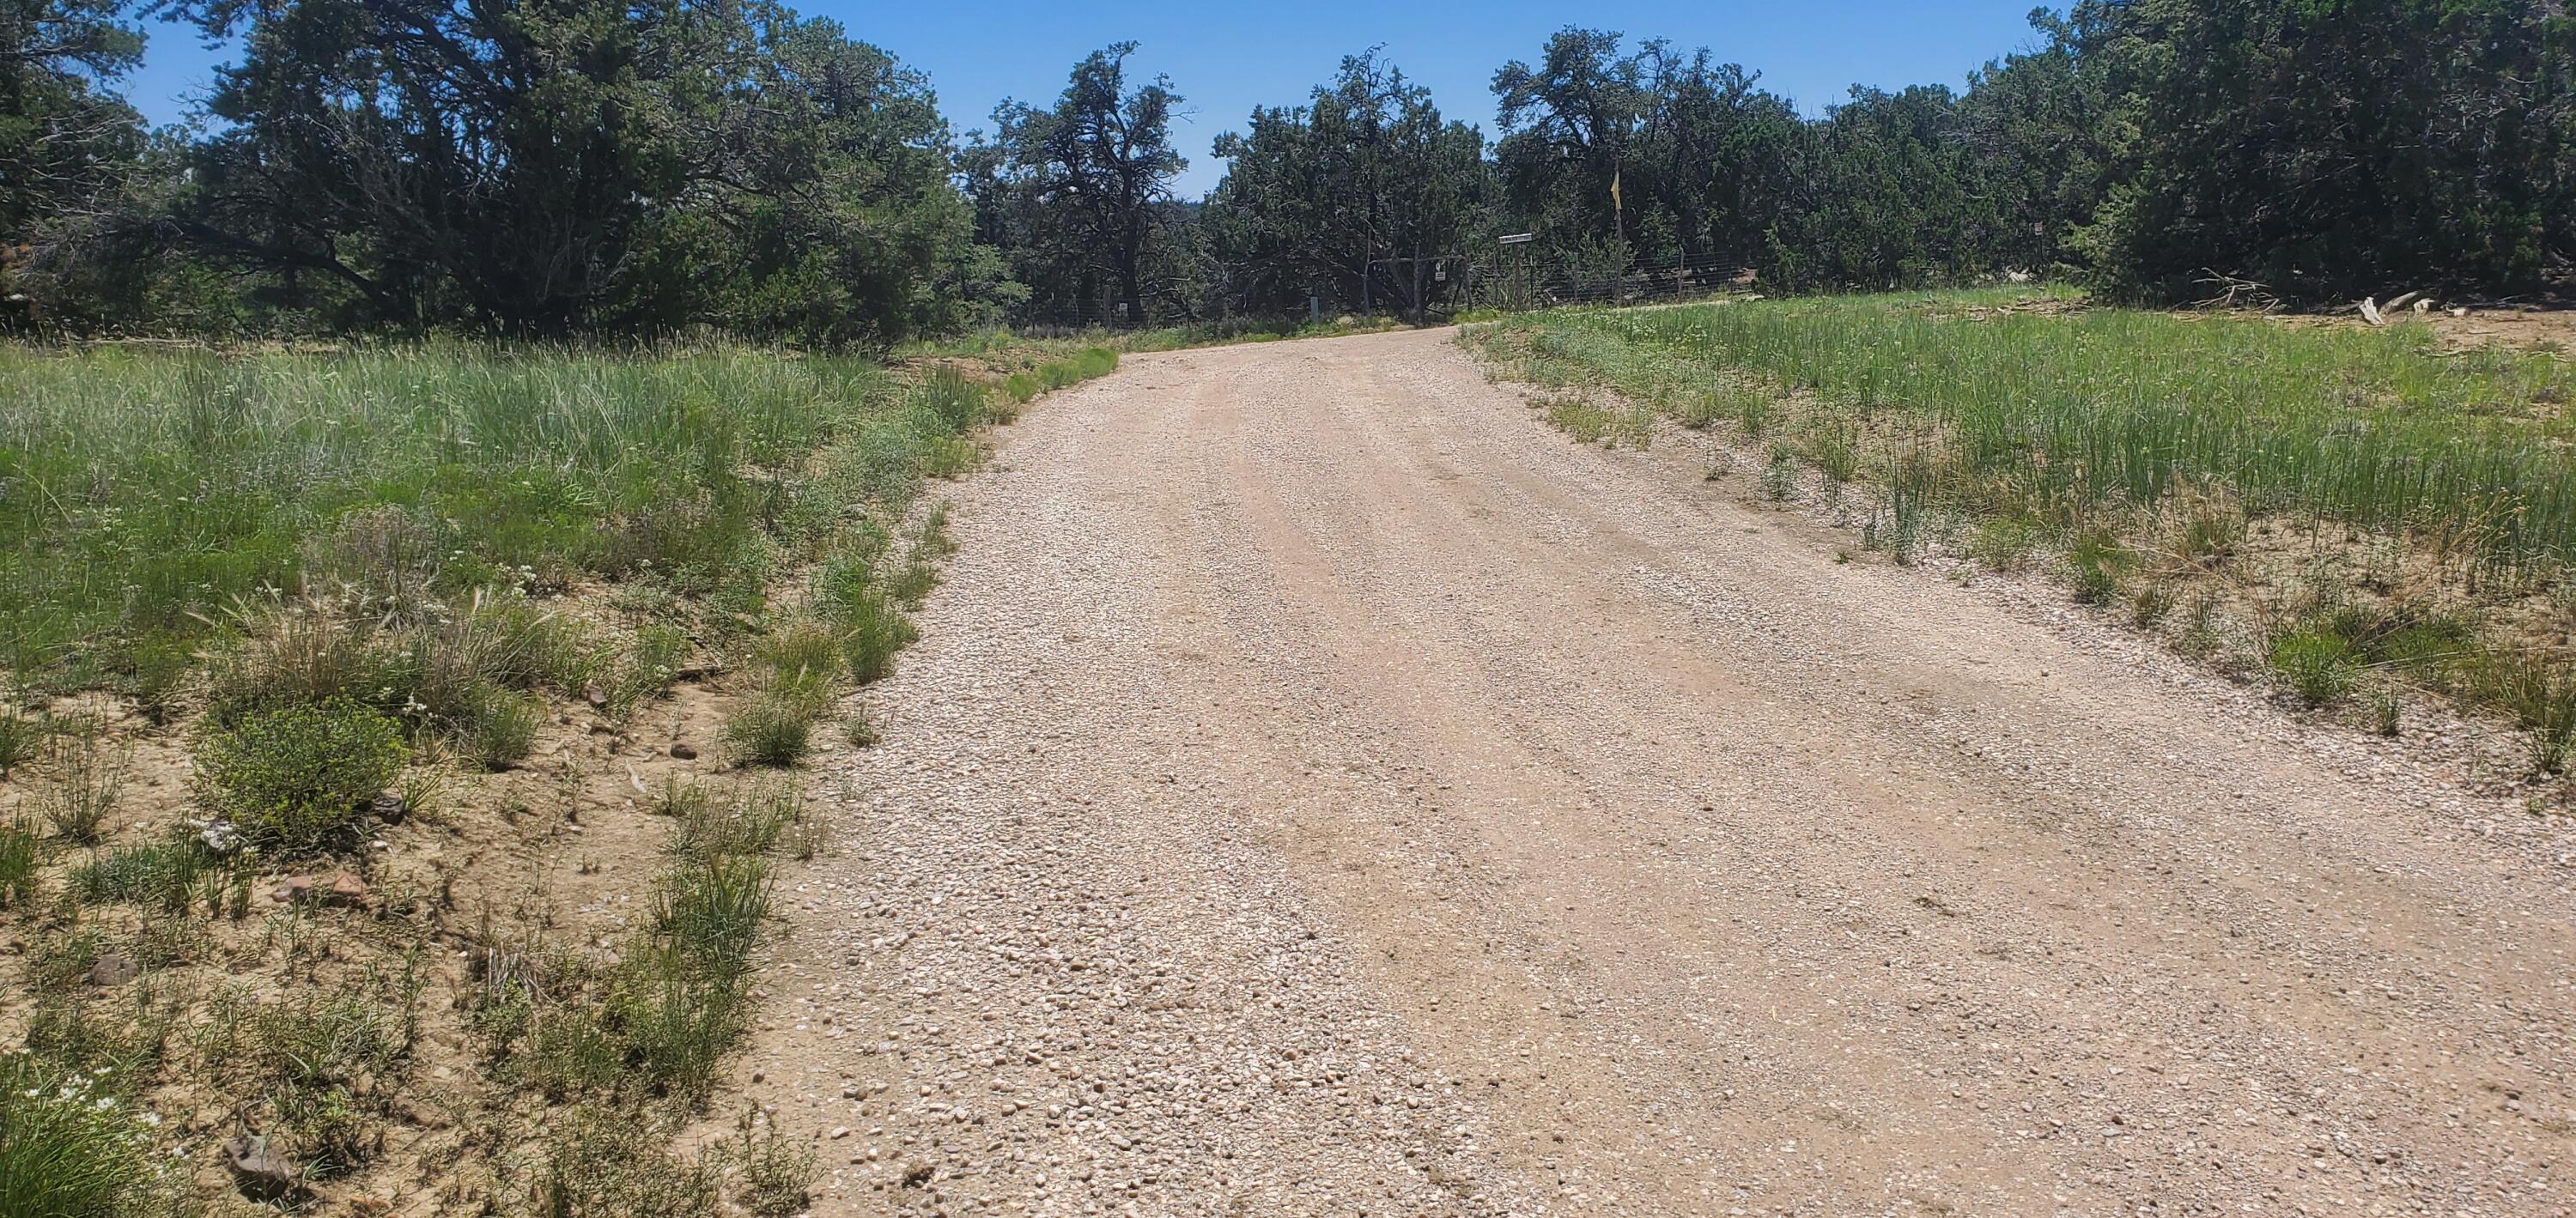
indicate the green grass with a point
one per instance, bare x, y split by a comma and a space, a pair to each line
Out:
2061, 413
151, 489
2147, 447
69, 1148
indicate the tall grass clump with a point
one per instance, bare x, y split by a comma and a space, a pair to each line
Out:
69, 1148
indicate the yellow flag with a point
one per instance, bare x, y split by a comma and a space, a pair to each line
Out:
1614, 191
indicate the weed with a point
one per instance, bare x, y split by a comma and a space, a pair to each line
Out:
928, 543
1835, 452
649, 667
421, 792
805, 839
774, 1174
19, 854
1576, 417
602, 1162
873, 630
708, 912
289, 778
2206, 528
771, 728
2003, 543
85, 776
677, 799
115, 1044
19, 739
2540, 694
861, 728
2097, 562
2199, 636
802, 661
163, 873
2386, 709
2149, 603
750, 825
2317, 665
68, 1149
1753, 413
1780, 478
502, 726
287, 655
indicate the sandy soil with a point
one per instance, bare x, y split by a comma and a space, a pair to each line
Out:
1322, 789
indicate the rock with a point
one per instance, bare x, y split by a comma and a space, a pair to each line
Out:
683, 752
389, 808
344, 889
113, 969
261, 1174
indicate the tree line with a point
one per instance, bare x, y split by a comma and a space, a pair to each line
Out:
569, 168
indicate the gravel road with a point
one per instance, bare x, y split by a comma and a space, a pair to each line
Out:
1322, 789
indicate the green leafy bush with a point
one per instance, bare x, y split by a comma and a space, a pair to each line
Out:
289, 778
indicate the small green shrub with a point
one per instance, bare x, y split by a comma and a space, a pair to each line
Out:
771, 728
2541, 697
1780, 478
2317, 665
289, 778
502, 726
709, 910
873, 630
2096, 563
773, 1173
802, 660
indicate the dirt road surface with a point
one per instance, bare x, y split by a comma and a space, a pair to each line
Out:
1322, 789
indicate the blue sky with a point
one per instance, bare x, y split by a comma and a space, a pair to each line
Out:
1227, 58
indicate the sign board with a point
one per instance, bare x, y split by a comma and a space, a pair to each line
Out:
1517, 238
